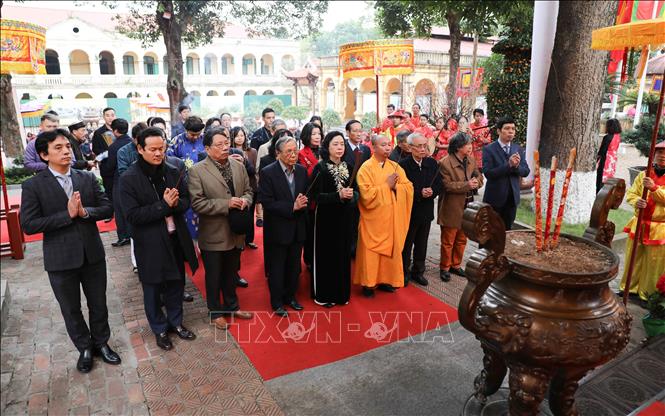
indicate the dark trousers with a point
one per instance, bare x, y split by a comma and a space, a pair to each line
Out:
249, 237
107, 181
507, 213
416, 243
308, 248
355, 220
170, 294
122, 227
221, 275
283, 272
66, 286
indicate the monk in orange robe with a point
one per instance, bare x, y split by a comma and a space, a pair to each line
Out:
386, 197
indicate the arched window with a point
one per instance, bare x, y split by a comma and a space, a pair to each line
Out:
192, 64
79, 63
210, 64
266, 65
150, 66
128, 64
110, 95
227, 64
249, 65
83, 95
229, 93
52, 62
106, 63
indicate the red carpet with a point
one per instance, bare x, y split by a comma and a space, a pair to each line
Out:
317, 335
16, 200
656, 409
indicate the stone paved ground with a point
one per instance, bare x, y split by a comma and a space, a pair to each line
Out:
209, 375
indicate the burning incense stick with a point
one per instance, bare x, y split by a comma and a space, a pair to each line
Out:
550, 203
564, 194
539, 203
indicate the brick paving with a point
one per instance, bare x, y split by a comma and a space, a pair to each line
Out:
210, 375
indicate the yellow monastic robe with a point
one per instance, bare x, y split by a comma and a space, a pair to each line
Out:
650, 255
384, 222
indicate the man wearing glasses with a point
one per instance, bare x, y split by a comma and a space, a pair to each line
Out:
423, 172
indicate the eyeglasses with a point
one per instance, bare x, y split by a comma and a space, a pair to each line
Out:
289, 152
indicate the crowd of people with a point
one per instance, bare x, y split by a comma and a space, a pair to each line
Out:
321, 197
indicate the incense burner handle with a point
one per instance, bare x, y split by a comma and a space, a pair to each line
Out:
610, 197
487, 264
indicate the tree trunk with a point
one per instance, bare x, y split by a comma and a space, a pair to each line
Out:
573, 100
10, 129
453, 20
474, 68
172, 33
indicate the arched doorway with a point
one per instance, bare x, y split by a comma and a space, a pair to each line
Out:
52, 62
393, 93
424, 91
106, 63
267, 65
79, 63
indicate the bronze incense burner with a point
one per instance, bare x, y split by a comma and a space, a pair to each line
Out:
548, 328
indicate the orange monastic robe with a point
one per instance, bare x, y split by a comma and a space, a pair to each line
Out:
384, 222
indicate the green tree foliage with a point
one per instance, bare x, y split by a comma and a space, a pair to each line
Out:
254, 109
277, 105
330, 119
368, 119
508, 91
293, 112
197, 23
493, 66
327, 43
408, 19
640, 136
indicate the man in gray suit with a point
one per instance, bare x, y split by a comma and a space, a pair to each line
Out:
65, 204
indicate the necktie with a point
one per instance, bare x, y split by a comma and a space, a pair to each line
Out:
506, 148
67, 185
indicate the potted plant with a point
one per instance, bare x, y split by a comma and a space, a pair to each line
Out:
640, 136
654, 320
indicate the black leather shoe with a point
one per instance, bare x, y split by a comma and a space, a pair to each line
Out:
386, 288
252, 246
368, 292
295, 305
240, 282
187, 297
184, 333
420, 279
163, 341
84, 364
108, 355
444, 275
121, 242
458, 271
281, 312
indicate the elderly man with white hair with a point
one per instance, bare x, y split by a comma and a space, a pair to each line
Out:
423, 172
282, 190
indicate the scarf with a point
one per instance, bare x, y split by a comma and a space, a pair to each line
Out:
156, 175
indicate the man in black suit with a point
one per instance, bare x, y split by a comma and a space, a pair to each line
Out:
65, 204
77, 137
504, 165
101, 140
264, 134
154, 199
354, 130
403, 149
120, 127
282, 191
423, 172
